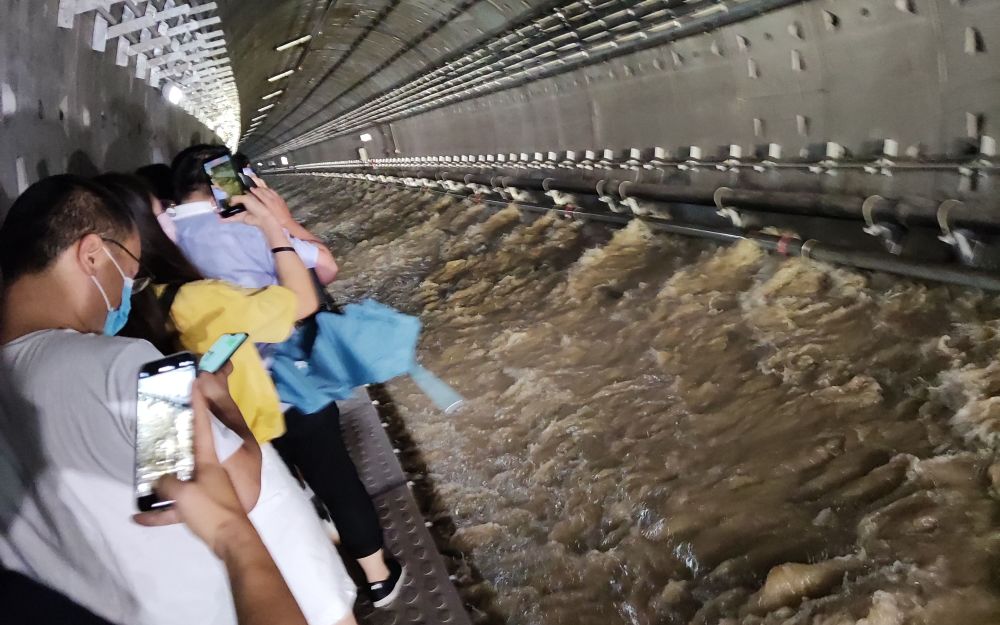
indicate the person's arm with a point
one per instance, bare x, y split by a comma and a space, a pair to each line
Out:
243, 466
246, 461
326, 265
210, 507
259, 591
206, 309
292, 273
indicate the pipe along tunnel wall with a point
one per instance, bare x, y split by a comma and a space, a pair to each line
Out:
885, 235
920, 73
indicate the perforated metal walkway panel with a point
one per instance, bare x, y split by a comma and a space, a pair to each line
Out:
428, 596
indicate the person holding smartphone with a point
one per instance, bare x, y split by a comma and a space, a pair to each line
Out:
210, 507
240, 252
200, 310
184, 310
220, 250
70, 256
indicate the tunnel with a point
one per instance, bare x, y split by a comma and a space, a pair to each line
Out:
717, 280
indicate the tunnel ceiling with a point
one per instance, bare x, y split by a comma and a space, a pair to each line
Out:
379, 60
357, 51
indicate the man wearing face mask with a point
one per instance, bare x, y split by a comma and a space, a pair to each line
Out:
68, 256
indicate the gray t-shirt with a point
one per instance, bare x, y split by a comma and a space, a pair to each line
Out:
67, 453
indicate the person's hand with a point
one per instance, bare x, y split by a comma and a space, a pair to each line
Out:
274, 203
208, 504
256, 214
215, 388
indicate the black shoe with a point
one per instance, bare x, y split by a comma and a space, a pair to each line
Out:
385, 592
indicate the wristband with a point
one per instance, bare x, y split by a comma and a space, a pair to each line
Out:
275, 250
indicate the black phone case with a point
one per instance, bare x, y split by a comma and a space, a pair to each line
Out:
148, 503
229, 210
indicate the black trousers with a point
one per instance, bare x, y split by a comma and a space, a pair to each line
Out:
313, 445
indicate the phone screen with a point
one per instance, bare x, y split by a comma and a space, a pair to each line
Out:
221, 351
164, 428
225, 184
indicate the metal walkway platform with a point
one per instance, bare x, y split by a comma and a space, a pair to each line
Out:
428, 596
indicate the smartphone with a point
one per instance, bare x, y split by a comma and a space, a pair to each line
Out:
164, 427
226, 183
246, 175
221, 351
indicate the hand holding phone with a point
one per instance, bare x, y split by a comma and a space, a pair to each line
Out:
274, 203
221, 351
209, 501
226, 185
257, 215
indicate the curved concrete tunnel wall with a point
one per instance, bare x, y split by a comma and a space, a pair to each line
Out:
923, 73
67, 108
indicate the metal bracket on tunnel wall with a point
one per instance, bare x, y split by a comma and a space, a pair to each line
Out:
520, 195
608, 199
963, 241
640, 208
739, 219
561, 199
69, 9
174, 50
892, 234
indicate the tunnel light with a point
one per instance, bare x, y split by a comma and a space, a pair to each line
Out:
273, 95
365, 138
258, 118
278, 77
265, 108
284, 160
293, 43
174, 94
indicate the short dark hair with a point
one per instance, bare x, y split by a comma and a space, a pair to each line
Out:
160, 180
52, 215
189, 172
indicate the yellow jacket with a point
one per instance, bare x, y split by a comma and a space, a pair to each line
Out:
206, 309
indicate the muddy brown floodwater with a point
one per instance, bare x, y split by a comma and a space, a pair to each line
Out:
662, 430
